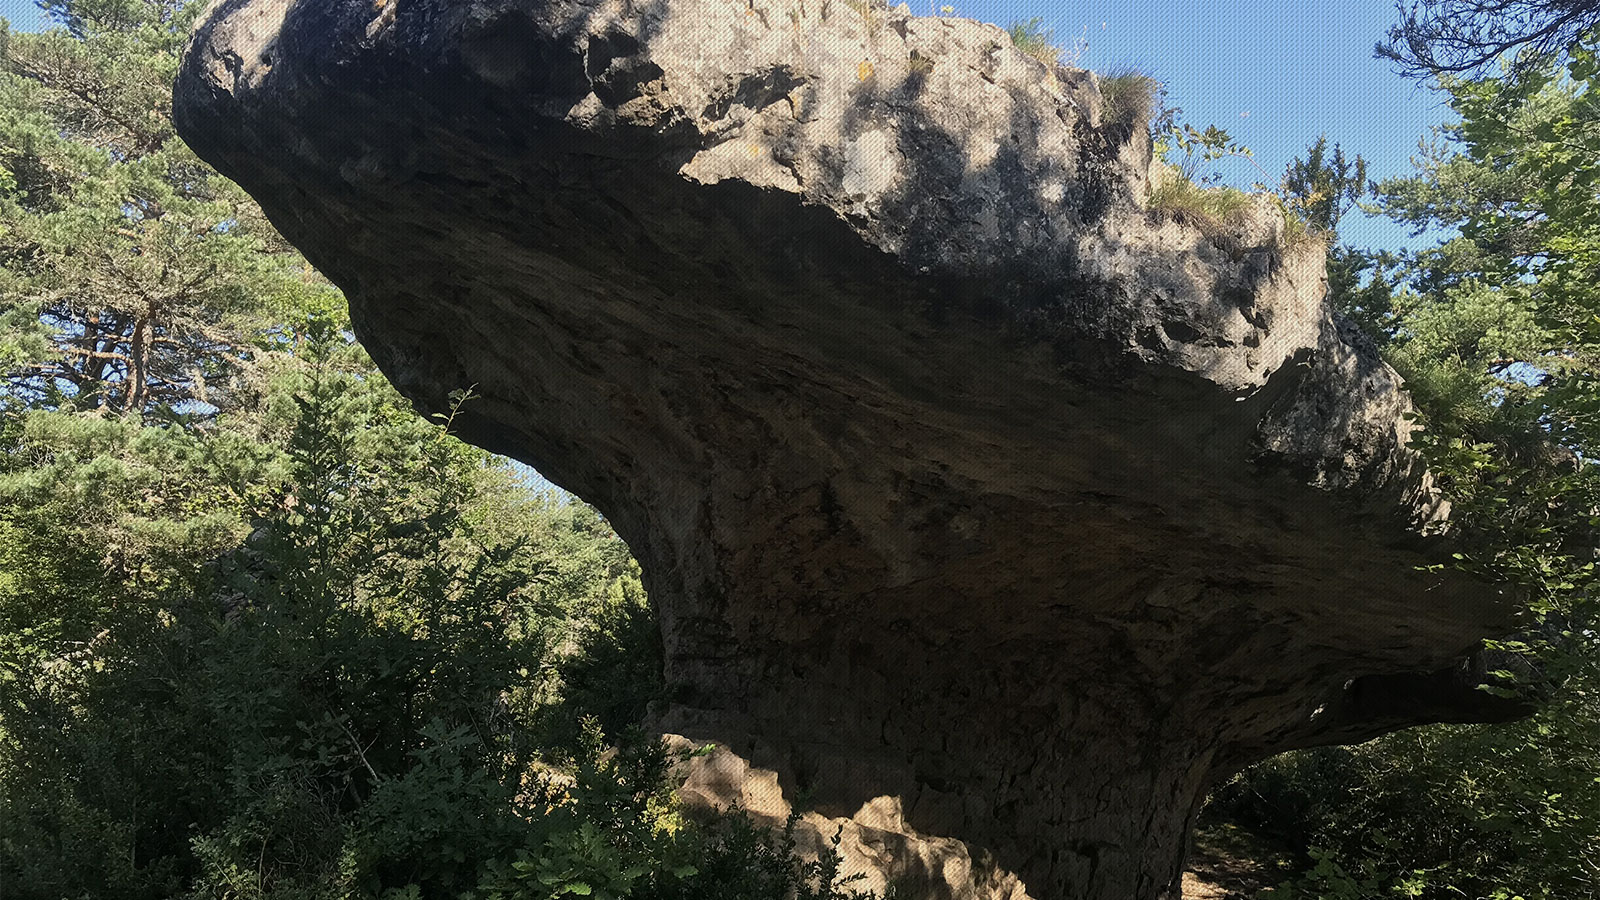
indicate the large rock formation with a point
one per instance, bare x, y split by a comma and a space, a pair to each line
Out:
978, 501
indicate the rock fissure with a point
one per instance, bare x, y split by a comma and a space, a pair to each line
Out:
982, 506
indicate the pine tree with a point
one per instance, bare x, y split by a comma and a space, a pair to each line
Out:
132, 277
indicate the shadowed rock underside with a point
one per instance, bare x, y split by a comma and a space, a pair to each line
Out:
990, 512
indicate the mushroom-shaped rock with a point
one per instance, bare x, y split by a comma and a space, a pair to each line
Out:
990, 510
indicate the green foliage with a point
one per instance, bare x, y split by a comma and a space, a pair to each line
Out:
1447, 811
320, 626
1497, 331
1362, 286
1203, 201
1313, 195
610, 832
185, 272
1322, 188
325, 651
1198, 146
612, 675
264, 632
1203, 205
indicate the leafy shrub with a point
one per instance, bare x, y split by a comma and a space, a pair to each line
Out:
1444, 811
326, 650
613, 831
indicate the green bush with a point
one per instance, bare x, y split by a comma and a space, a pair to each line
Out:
1441, 812
323, 649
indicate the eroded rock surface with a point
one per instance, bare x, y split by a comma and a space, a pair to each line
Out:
982, 506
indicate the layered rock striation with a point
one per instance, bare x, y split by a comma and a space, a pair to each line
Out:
982, 506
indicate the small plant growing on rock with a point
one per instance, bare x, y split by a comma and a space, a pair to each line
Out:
1036, 40
1211, 145
1131, 96
1132, 102
1183, 199
1216, 209
1177, 192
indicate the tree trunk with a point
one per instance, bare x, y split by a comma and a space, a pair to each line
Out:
138, 387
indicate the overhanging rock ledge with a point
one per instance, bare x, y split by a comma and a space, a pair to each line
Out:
990, 510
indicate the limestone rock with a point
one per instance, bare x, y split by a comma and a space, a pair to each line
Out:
991, 510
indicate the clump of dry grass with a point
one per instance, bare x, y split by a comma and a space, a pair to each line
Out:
1219, 211
1181, 198
1130, 97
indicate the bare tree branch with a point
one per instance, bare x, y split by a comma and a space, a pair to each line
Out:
1470, 37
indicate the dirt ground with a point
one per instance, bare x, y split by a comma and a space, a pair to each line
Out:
1229, 863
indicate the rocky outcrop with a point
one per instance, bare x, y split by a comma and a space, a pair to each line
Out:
983, 507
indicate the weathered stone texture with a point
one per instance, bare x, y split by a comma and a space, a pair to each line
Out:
978, 501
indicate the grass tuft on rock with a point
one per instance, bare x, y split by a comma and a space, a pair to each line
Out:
1034, 39
1129, 96
1181, 198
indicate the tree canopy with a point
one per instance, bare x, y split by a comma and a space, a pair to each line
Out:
1497, 332
264, 631
1471, 37
134, 277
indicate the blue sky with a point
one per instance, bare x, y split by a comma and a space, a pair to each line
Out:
1275, 75
22, 14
